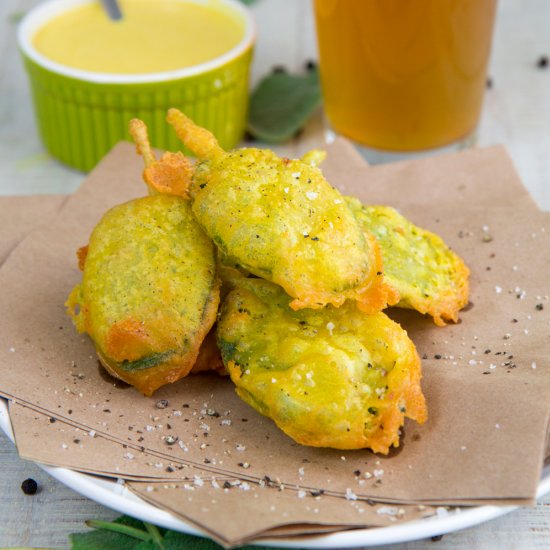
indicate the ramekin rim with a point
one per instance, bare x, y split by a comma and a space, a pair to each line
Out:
42, 13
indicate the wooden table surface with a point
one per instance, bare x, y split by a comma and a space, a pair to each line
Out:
516, 113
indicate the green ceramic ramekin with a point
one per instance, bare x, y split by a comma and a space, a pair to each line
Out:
82, 114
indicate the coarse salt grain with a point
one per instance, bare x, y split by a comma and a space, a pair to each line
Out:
301, 494
240, 447
533, 365
387, 510
498, 289
128, 456
350, 495
330, 327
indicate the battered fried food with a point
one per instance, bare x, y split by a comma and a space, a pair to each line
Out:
280, 220
428, 275
149, 292
328, 378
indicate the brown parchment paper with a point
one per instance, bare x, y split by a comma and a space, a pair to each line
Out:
260, 507
485, 438
19, 215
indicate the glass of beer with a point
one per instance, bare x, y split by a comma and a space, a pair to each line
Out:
404, 76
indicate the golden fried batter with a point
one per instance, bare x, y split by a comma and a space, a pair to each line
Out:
279, 219
333, 377
149, 293
170, 175
429, 276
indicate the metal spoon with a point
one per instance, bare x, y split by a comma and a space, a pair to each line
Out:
112, 9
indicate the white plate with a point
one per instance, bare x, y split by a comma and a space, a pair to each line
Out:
114, 495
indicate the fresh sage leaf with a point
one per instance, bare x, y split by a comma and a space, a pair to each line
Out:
127, 533
282, 103
103, 540
124, 533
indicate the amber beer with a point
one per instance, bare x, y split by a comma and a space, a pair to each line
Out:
404, 75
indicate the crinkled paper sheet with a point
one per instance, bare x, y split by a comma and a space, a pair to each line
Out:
487, 379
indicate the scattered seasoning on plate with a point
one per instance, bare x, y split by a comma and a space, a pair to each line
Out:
29, 486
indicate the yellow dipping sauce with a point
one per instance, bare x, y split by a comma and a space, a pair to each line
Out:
153, 36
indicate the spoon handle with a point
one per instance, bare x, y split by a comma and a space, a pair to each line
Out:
113, 9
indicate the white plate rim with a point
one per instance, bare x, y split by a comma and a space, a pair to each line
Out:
113, 494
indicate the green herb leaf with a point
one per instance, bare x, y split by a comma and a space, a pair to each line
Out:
124, 533
282, 103
16, 17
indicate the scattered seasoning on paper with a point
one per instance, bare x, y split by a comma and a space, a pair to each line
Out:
542, 62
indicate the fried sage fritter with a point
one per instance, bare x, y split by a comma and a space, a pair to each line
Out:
149, 291
333, 377
276, 218
428, 275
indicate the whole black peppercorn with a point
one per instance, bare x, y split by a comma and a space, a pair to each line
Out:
542, 62
310, 65
278, 69
29, 486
